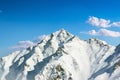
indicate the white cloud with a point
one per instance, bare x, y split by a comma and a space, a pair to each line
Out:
27, 43
103, 23
39, 39
23, 45
105, 32
117, 24
94, 21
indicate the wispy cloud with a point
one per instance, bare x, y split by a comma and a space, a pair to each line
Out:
27, 43
39, 38
104, 32
102, 23
117, 24
23, 45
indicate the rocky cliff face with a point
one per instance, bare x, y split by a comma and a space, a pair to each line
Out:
63, 56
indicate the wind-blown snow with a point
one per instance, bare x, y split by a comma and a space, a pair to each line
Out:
63, 56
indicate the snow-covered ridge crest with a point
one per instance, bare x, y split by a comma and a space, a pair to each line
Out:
63, 56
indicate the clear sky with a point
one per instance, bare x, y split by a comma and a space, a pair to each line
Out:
22, 20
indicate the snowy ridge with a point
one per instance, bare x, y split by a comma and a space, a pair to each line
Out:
63, 56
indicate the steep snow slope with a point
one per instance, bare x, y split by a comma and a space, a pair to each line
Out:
63, 56
112, 70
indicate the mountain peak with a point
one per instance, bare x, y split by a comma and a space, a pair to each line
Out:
60, 56
60, 36
97, 41
62, 29
62, 32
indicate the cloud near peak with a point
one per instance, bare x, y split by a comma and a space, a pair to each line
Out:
102, 23
23, 45
27, 43
104, 32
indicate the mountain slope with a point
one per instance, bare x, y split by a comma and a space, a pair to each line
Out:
63, 56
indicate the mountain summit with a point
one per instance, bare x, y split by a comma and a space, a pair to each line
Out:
63, 56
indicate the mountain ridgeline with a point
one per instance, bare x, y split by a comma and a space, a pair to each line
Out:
63, 56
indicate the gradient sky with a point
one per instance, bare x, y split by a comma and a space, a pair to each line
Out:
28, 19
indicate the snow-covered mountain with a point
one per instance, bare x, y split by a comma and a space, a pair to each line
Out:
63, 56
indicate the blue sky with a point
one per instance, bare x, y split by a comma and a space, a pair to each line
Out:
22, 20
